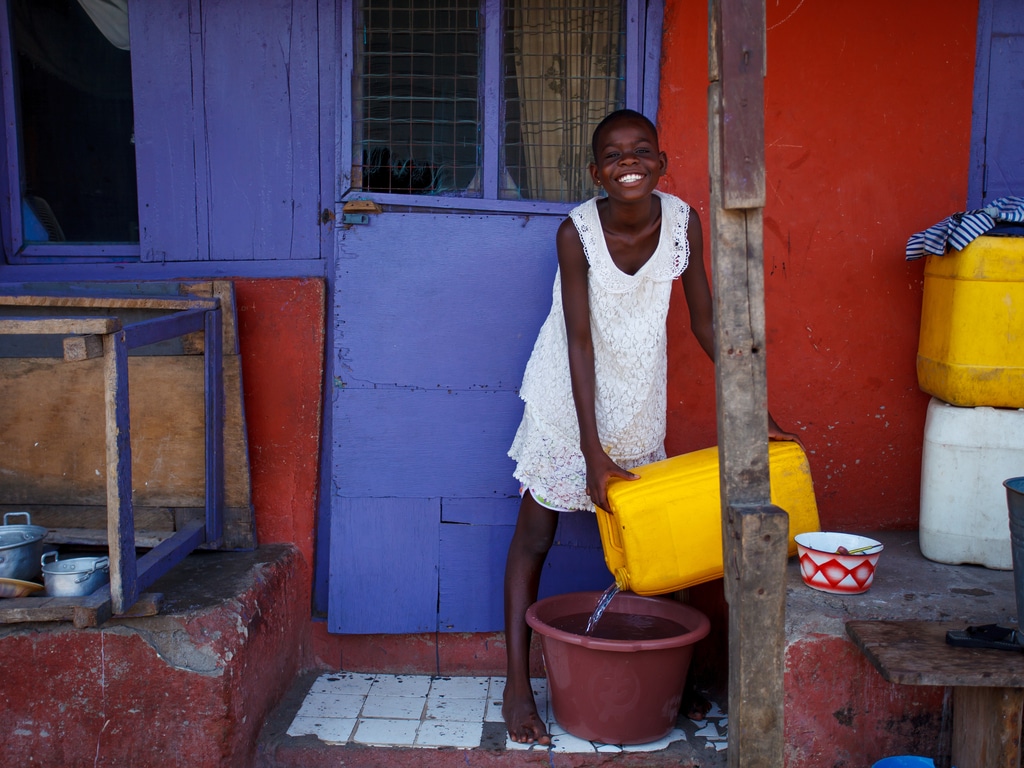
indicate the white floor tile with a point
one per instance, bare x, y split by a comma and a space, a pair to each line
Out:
566, 742
395, 707
458, 710
709, 731
459, 687
401, 685
441, 733
331, 705
304, 726
348, 683
335, 731
495, 692
382, 732
516, 746
653, 746
492, 714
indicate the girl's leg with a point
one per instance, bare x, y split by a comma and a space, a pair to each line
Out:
534, 534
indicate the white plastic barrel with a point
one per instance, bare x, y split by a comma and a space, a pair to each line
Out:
967, 454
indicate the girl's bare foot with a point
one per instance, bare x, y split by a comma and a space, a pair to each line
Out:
521, 718
695, 706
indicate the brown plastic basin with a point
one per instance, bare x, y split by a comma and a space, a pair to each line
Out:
616, 691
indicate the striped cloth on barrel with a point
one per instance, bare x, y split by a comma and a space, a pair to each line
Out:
957, 231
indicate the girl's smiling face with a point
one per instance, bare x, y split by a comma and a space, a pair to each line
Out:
628, 163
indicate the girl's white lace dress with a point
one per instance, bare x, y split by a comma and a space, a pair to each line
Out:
627, 319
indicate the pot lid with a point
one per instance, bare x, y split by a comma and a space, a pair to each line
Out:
18, 538
76, 565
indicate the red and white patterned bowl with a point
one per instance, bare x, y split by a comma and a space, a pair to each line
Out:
824, 565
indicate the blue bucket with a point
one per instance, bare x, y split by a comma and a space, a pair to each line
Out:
905, 761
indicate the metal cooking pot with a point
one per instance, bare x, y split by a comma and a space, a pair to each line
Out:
21, 549
76, 577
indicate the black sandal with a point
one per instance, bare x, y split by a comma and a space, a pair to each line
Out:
986, 636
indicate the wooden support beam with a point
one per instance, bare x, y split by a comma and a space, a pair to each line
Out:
214, 409
104, 302
120, 521
89, 611
169, 326
755, 533
83, 347
15, 326
738, 40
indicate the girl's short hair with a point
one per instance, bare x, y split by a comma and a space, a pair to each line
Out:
619, 114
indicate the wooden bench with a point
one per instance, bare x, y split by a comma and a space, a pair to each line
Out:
987, 685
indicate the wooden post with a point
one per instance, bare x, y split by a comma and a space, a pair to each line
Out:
755, 533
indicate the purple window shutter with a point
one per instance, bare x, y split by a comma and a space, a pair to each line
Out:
165, 133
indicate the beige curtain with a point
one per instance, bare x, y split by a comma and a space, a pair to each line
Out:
110, 18
567, 71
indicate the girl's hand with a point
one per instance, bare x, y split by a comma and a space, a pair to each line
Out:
600, 469
775, 432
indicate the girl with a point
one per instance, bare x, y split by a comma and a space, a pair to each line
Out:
595, 384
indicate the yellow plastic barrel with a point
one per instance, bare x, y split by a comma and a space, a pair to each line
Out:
665, 530
971, 347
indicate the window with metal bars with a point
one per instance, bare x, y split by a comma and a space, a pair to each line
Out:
464, 102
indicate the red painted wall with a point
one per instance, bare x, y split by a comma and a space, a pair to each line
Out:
281, 340
867, 134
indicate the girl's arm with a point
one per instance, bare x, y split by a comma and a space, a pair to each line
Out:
573, 267
697, 290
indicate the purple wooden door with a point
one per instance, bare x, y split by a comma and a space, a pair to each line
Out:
436, 308
997, 152
435, 317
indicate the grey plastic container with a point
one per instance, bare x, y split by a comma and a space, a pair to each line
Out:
1015, 504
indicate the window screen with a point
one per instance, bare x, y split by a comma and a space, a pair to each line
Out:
422, 78
418, 114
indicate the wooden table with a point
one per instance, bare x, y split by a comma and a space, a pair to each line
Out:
988, 684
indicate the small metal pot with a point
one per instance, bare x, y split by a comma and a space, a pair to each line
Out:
76, 577
21, 549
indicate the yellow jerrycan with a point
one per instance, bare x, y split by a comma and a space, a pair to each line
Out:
971, 349
664, 532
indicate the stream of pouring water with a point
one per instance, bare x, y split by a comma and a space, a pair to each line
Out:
602, 604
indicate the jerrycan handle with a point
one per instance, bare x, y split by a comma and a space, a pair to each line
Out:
606, 520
